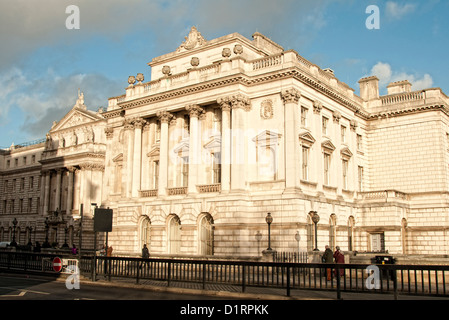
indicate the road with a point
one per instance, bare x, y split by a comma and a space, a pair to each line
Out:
20, 287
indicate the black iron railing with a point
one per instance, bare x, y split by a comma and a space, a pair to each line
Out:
239, 275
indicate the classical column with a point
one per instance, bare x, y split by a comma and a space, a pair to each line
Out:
239, 104
46, 186
129, 126
137, 156
318, 153
225, 143
291, 154
195, 111
164, 118
70, 180
57, 205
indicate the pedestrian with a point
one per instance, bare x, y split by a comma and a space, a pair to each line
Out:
109, 251
339, 258
328, 258
74, 250
145, 252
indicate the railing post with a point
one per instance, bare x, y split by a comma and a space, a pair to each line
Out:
395, 284
288, 281
337, 269
139, 267
204, 275
243, 278
168, 274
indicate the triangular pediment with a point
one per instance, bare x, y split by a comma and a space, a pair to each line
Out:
306, 137
328, 145
76, 117
154, 152
182, 149
346, 153
267, 137
118, 158
214, 144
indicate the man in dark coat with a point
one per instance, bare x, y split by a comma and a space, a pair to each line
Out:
328, 258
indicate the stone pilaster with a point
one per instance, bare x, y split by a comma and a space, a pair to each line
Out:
164, 117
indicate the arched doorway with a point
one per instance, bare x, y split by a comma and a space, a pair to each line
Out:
144, 232
206, 234
174, 234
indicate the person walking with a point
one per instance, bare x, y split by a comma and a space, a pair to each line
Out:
328, 258
145, 252
339, 258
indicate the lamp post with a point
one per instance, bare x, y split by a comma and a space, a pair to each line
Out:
14, 243
315, 220
269, 220
30, 228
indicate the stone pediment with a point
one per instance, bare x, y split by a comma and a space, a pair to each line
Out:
76, 117
307, 138
182, 150
328, 145
267, 138
214, 144
346, 153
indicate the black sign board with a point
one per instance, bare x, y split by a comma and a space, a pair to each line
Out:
103, 220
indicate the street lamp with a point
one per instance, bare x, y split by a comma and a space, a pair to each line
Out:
315, 220
46, 244
14, 243
30, 228
269, 220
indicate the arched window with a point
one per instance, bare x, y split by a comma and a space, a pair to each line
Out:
174, 234
206, 235
145, 226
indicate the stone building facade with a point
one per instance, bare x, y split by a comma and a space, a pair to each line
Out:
227, 131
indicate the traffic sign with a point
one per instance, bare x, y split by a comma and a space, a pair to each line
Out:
57, 264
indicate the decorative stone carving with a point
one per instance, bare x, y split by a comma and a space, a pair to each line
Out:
48, 142
336, 116
266, 109
138, 122
140, 77
238, 49
317, 106
73, 139
80, 102
226, 53
128, 123
195, 110
166, 71
109, 131
193, 40
353, 125
164, 116
131, 80
290, 95
224, 103
195, 62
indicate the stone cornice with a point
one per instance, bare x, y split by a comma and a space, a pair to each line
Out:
408, 110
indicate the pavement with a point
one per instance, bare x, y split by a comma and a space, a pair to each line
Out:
251, 293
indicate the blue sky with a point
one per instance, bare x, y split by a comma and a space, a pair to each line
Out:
42, 63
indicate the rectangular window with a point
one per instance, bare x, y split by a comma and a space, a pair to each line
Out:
155, 174
8, 164
305, 163
217, 168
360, 178
325, 122
22, 184
30, 203
21, 206
377, 242
327, 164
31, 183
343, 134
16, 162
303, 117
359, 142
33, 158
185, 172
345, 173
24, 161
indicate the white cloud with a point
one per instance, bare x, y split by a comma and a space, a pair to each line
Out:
387, 75
49, 96
397, 11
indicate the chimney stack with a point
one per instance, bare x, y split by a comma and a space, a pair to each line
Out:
369, 88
